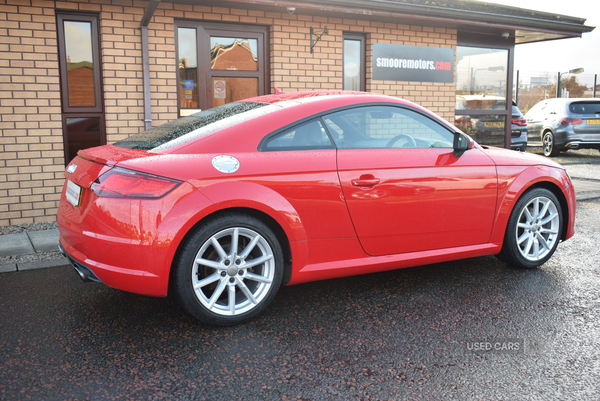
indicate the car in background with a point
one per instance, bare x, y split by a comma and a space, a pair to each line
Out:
491, 127
462, 121
564, 124
224, 206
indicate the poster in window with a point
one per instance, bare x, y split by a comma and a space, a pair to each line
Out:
220, 90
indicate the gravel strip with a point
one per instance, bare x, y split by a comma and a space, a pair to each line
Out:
31, 257
582, 156
21, 228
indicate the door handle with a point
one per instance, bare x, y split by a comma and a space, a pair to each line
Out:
365, 182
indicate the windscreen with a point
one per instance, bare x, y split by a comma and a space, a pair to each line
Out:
585, 107
174, 131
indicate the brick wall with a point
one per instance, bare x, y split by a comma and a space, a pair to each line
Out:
31, 143
31, 156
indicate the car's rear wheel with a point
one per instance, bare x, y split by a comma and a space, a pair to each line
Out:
550, 149
533, 231
229, 269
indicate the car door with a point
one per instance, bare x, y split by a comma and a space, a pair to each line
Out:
405, 189
299, 163
536, 117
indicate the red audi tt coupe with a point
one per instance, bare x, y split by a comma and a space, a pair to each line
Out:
224, 206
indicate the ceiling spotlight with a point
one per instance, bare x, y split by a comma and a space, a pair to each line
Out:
291, 10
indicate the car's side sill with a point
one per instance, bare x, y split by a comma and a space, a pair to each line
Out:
323, 271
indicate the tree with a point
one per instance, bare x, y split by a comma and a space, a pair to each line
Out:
574, 88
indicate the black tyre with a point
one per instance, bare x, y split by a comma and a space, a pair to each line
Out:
550, 149
229, 269
533, 231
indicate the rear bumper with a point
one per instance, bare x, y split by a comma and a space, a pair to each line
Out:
85, 273
131, 280
576, 144
522, 147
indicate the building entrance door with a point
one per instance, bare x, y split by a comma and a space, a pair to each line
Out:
220, 63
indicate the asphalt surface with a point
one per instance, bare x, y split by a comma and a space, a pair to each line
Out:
399, 335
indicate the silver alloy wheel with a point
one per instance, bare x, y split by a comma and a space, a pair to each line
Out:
537, 228
548, 144
233, 271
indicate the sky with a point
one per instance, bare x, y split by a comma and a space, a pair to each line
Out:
564, 54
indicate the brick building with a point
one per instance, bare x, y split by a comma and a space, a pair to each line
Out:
75, 74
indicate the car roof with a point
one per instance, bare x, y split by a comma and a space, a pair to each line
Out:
292, 105
279, 96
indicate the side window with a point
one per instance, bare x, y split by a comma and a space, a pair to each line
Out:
307, 136
538, 109
376, 127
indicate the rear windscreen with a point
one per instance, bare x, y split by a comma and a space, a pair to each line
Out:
174, 131
585, 108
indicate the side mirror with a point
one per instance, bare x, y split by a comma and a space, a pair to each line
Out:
461, 143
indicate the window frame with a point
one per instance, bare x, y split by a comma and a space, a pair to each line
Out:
206, 30
79, 17
321, 115
69, 111
408, 112
493, 41
363, 57
66, 116
265, 143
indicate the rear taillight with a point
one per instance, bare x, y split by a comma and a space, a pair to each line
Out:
571, 121
122, 183
520, 122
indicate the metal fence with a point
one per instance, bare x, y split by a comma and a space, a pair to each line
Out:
535, 86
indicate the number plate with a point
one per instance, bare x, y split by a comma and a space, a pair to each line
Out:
593, 122
73, 193
499, 124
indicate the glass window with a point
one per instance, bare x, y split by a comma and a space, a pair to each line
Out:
81, 95
196, 125
233, 54
80, 63
481, 75
230, 63
82, 133
488, 129
188, 68
386, 127
352, 65
310, 135
537, 109
229, 89
587, 107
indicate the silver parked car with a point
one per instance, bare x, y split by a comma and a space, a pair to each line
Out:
564, 124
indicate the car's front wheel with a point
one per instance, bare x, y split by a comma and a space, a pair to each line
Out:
550, 149
229, 269
533, 231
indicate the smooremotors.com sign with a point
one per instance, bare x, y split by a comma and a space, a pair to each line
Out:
412, 63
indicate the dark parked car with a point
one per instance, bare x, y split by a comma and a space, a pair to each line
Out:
564, 124
492, 127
